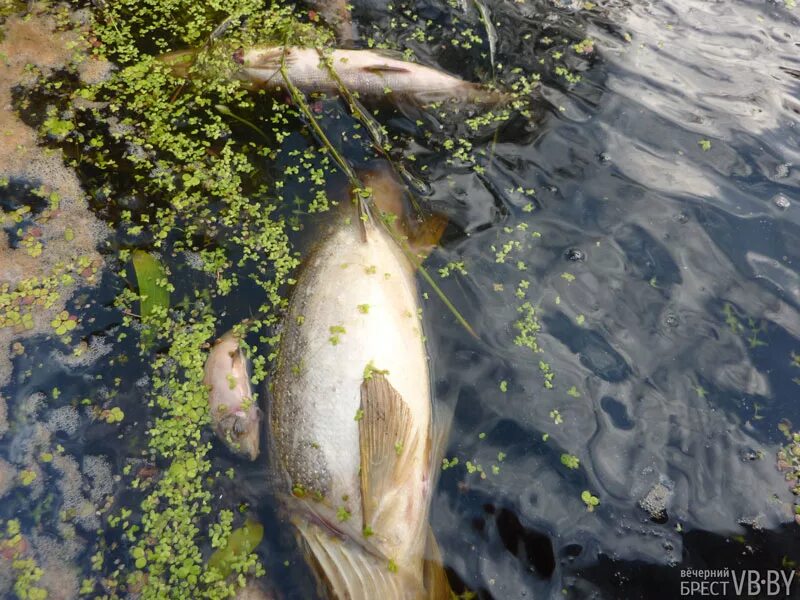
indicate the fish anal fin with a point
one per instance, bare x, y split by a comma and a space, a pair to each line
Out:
434, 578
386, 439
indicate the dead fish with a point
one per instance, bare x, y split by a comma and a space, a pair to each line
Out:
336, 13
373, 74
350, 421
235, 416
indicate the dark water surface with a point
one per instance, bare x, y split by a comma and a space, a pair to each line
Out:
661, 259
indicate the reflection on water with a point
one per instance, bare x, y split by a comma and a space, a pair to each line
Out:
675, 325
645, 229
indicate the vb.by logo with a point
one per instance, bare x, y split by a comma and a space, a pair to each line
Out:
739, 584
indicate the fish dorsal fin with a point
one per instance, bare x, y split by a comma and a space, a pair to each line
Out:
389, 53
386, 443
385, 69
434, 578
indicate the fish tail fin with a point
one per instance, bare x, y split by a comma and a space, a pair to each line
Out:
487, 97
347, 571
179, 61
437, 586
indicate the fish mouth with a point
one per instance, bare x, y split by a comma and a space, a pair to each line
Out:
241, 434
262, 59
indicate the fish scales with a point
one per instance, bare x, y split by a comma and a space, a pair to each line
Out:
347, 317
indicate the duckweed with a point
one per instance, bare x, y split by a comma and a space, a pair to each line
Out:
589, 500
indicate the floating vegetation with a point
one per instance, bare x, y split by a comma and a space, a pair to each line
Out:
153, 284
213, 178
789, 464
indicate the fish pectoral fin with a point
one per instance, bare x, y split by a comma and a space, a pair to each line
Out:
347, 569
381, 69
386, 439
437, 587
427, 235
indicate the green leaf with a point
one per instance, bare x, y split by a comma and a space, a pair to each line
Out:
240, 543
151, 277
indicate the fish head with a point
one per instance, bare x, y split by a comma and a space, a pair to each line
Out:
240, 431
261, 64
235, 416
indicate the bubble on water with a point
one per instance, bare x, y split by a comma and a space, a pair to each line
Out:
93, 70
76, 506
98, 470
88, 353
31, 405
7, 475
655, 502
60, 579
781, 202
671, 320
66, 546
575, 255
6, 578
194, 260
64, 419
30, 439
254, 590
3, 416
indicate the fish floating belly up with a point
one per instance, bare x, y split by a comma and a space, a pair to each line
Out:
350, 419
370, 73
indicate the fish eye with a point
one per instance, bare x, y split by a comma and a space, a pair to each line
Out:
238, 56
239, 426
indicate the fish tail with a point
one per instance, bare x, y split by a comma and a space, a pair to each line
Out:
347, 571
483, 96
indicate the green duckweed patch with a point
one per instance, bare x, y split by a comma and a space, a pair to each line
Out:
19, 304
788, 462
214, 167
207, 196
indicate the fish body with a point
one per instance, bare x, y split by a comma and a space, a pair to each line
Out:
350, 417
372, 74
235, 416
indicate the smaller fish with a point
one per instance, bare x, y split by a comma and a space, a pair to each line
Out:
372, 74
235, 417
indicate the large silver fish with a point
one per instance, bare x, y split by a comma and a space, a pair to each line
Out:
371, 73
235, 416
350, 419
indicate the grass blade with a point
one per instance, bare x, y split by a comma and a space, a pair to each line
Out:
152, 281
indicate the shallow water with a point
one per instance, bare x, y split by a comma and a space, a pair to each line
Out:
661, 255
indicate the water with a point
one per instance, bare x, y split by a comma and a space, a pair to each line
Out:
654, 208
